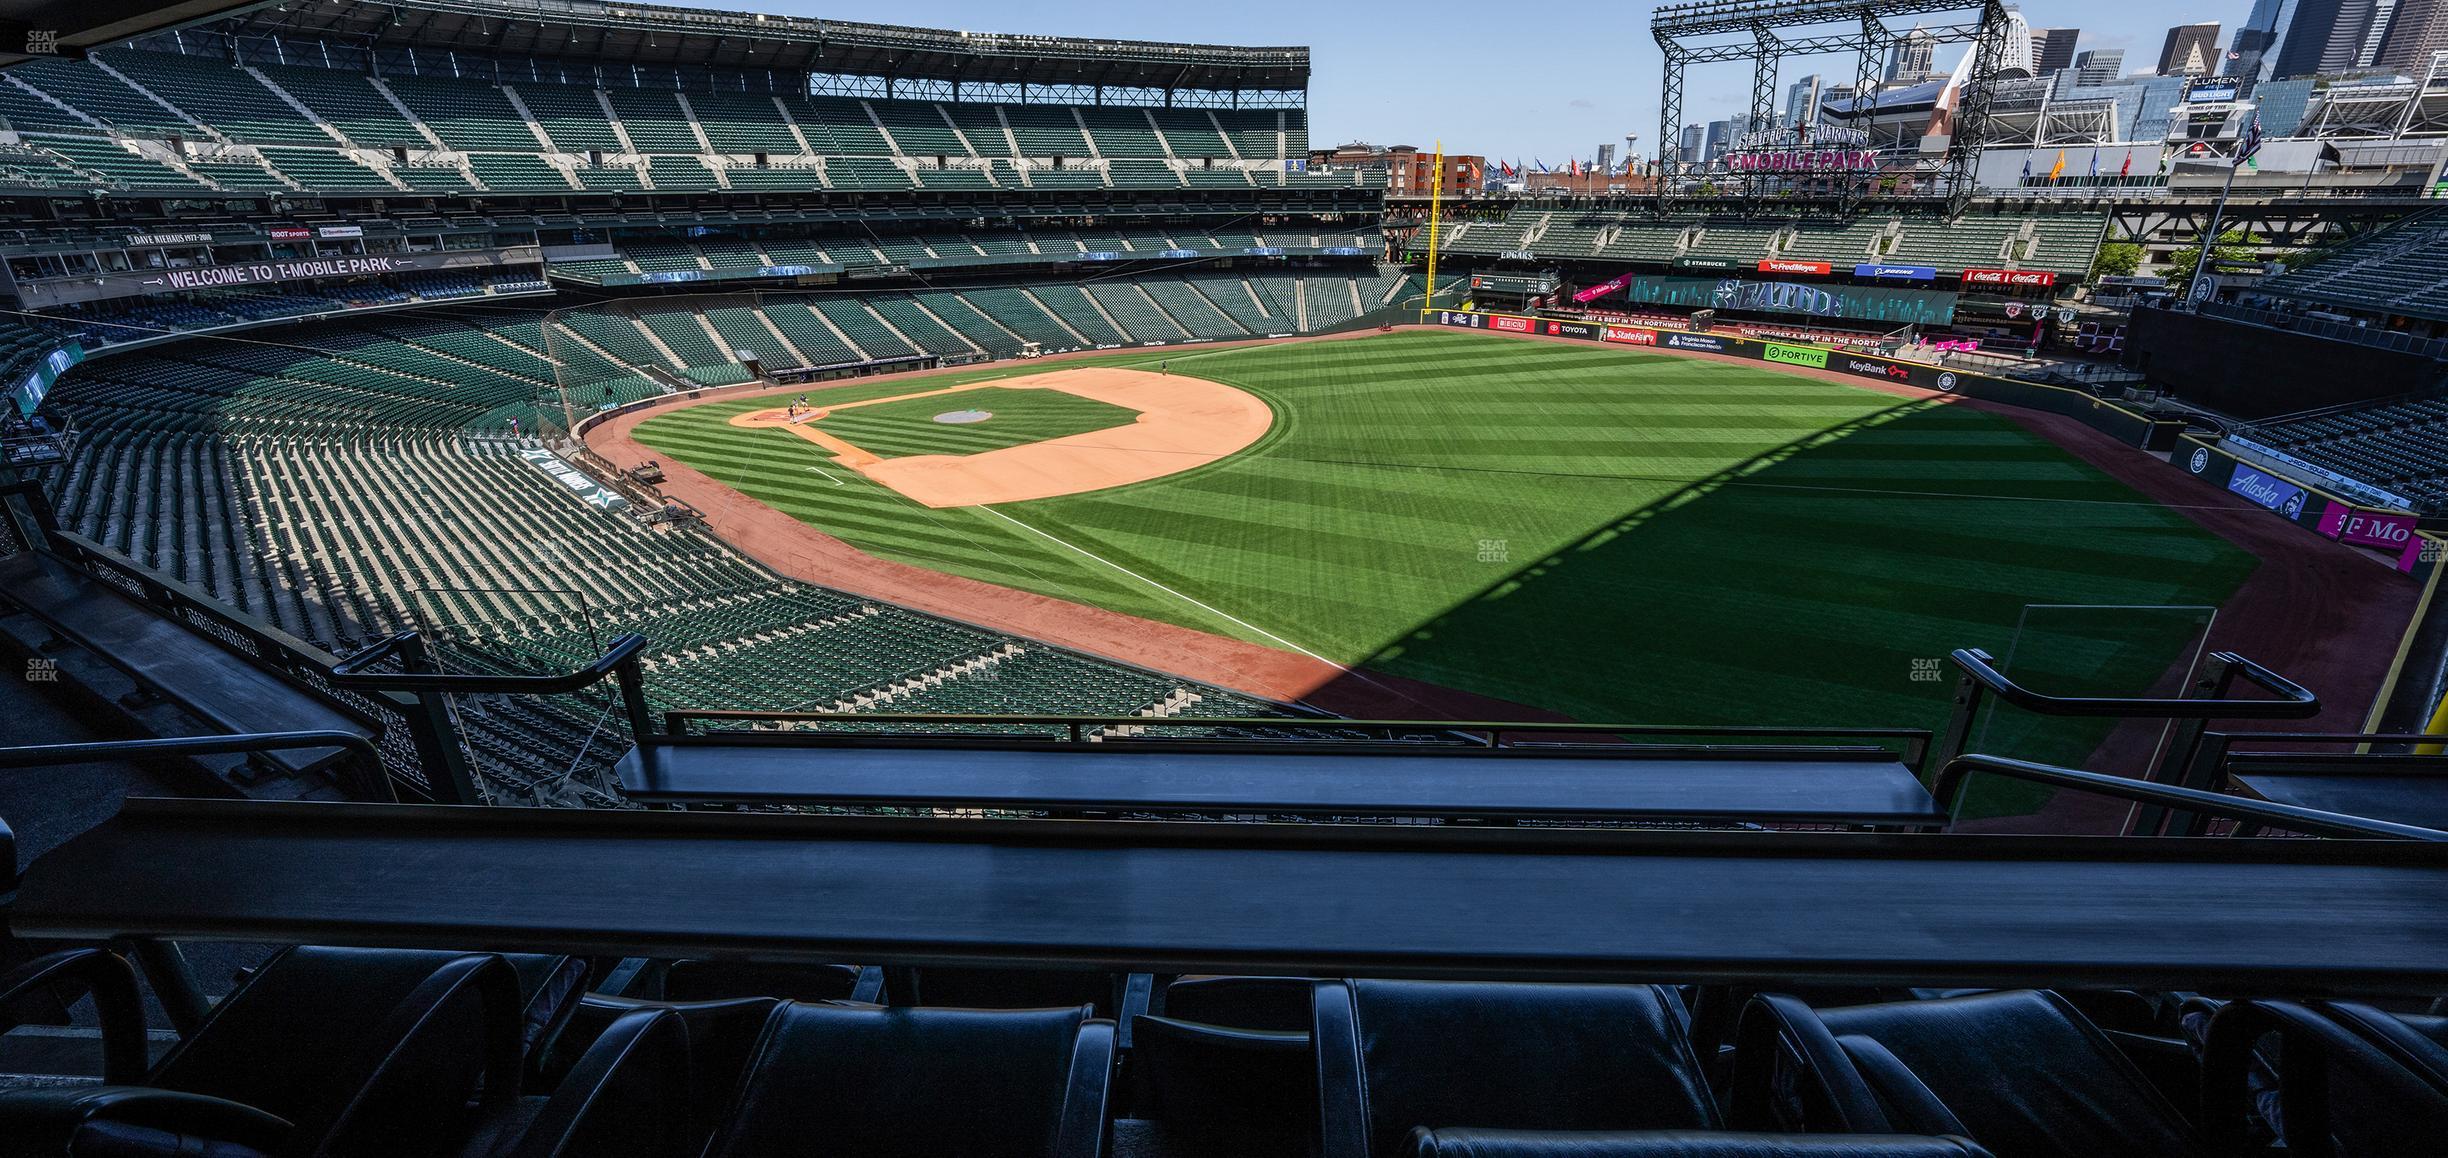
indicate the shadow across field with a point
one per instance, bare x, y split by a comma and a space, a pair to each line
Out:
1822, 583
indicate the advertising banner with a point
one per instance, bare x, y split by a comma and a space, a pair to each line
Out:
339, 232
289, 233
1602, 289
590, 492
35, 295
1718, 263
2381, 529
1813, 268
1867, 368
171, 239
1629, 335
1707, 343
1890, 306
1581, 330
1896, 272
30, 390
2026, 278
1512, 325
2268, 490
1811, 356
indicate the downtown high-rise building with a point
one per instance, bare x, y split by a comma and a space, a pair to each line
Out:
2419, 29
1802, 103
2191, 50
2320, 36
1914, 57
2053, 50
2099, 66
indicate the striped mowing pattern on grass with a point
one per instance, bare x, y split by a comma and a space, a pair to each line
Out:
1019, 417
1606, 533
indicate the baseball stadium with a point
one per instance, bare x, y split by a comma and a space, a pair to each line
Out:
655, 582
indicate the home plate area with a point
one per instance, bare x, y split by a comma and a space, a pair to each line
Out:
1059, 433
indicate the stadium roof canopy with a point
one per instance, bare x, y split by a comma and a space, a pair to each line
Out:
31, 29
655, 35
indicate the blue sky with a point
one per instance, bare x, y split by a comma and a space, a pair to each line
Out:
1547, 81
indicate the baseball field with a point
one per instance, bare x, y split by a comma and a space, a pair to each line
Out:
1604, 533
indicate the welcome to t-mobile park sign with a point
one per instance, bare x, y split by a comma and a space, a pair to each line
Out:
252, 273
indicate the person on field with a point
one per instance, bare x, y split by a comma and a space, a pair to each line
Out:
1165, 366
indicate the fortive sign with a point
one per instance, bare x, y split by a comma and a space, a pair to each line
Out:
1629, 335
2028, 278
1810, 356
1773, 265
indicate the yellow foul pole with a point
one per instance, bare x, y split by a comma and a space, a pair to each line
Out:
1436, 205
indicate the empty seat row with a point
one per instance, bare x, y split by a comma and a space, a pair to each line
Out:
397, 1052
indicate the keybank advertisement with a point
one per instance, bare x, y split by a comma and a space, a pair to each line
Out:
2270, 491
1795, 355
1862, 303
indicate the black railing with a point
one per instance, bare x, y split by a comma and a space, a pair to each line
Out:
2192, 712
1908, 745
1951, 779
361, 775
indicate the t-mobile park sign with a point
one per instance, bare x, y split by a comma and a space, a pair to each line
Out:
1829, 150
253, 273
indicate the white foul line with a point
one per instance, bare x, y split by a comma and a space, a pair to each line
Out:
828, 474
1213, 610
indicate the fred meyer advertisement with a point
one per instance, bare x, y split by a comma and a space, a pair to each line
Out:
1810, 356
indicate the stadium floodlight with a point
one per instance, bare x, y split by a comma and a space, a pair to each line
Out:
1765, 32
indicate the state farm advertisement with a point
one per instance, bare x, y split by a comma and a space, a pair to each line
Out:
1629, 335
1811, 268
2020, 278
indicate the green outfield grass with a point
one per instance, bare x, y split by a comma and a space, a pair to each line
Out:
1607, 533
1020, 416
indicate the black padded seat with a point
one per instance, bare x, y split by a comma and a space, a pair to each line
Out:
721, 1037
719, 980
1004, 988
1681, 1144
854, 1081
1395, 1055
2022, 1072
1222, 1090
2354, 1081
1271, 1003
627, 1097
389, 1051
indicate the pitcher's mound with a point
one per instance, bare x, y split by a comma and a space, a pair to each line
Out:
1183, 423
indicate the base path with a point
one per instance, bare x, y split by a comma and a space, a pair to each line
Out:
2324, 614
1183, 423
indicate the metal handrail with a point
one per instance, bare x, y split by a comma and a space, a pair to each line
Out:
50, 755
351, 671
1490, 733
2295, 701
2313, 821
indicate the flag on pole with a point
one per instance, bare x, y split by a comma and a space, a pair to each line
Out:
2126, 170
2252, 141
2027, 168
2058, 170
2329, 153
2094, 161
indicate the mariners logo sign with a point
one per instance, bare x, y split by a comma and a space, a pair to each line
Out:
2200, 460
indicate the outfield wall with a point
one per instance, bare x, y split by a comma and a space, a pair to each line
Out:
2417, 553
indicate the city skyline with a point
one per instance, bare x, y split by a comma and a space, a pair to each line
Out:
1524, 93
